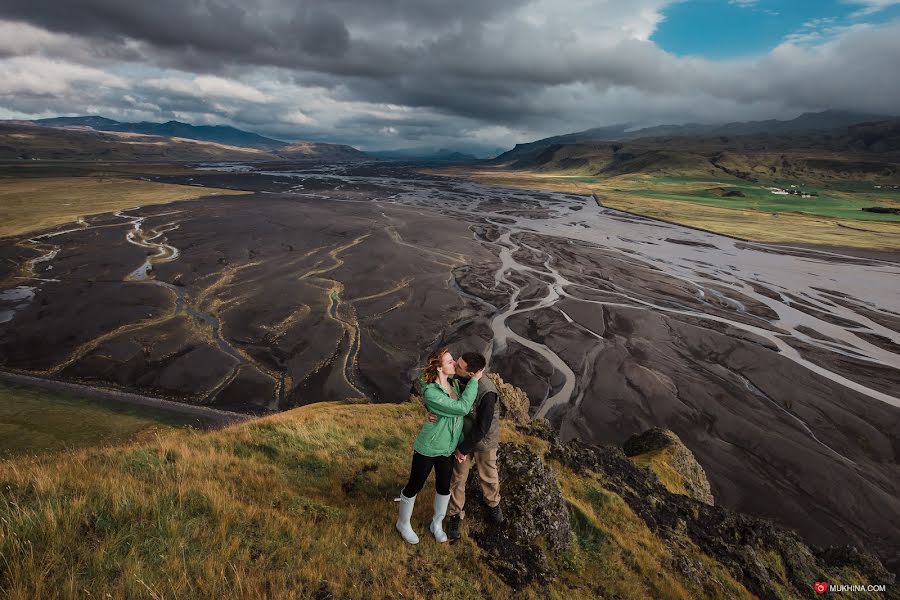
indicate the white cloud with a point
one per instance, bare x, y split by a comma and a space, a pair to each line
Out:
298, 117
870, 6
35, 75
22, 39
208, 86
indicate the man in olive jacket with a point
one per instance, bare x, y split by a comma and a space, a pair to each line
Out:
481, 438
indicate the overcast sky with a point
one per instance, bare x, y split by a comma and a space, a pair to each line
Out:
468, 74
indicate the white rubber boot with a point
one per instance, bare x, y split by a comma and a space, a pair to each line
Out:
440, 511
403, 526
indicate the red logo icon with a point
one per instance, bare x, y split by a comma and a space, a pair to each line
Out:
821, 587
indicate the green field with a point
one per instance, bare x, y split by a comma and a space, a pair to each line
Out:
831, 203
34, 421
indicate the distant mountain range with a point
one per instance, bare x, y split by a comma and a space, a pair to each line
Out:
812, 147
94, 137
827, 140
219, 134
807, 122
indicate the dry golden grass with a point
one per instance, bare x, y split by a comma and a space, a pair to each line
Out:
748, 225
763, 227
34, 204
633, 563
60, 168
658, 461
285, 507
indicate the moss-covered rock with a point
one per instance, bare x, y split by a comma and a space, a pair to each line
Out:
672, 462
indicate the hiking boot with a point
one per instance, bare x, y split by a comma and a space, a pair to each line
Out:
495, 514
454, 528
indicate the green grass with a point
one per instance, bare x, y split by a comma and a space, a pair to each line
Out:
34, 421
829, 203
680, 179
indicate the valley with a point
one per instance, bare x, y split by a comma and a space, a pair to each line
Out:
777, 365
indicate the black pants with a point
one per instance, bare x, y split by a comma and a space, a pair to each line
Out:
421, 467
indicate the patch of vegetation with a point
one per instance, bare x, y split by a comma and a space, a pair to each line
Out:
30, 204
657, 461
837, 205
835, 218
33, 421
589, 536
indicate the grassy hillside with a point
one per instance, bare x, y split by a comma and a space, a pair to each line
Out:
865, 151
830, 129
299, 505
692, 158
719, 182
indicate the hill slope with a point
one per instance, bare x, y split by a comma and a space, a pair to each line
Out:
97, 138
219, 134
868, 151
805, 123
300, 505
31, 142
23, 141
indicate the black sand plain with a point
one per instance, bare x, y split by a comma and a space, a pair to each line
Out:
778, 366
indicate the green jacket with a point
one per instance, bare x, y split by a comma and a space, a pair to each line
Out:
441, 437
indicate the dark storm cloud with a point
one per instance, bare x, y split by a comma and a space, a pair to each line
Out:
412, 69
279, 32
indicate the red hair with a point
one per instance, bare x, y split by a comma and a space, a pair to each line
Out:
433, 365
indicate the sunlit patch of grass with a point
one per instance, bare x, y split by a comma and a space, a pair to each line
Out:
658, 462
34, 204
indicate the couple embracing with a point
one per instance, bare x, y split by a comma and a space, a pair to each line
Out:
462, 429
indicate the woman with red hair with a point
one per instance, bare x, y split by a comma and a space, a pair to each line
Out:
434, 446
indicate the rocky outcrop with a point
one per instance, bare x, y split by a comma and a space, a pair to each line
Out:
536, 518
514, 402
771, 561
672, 462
